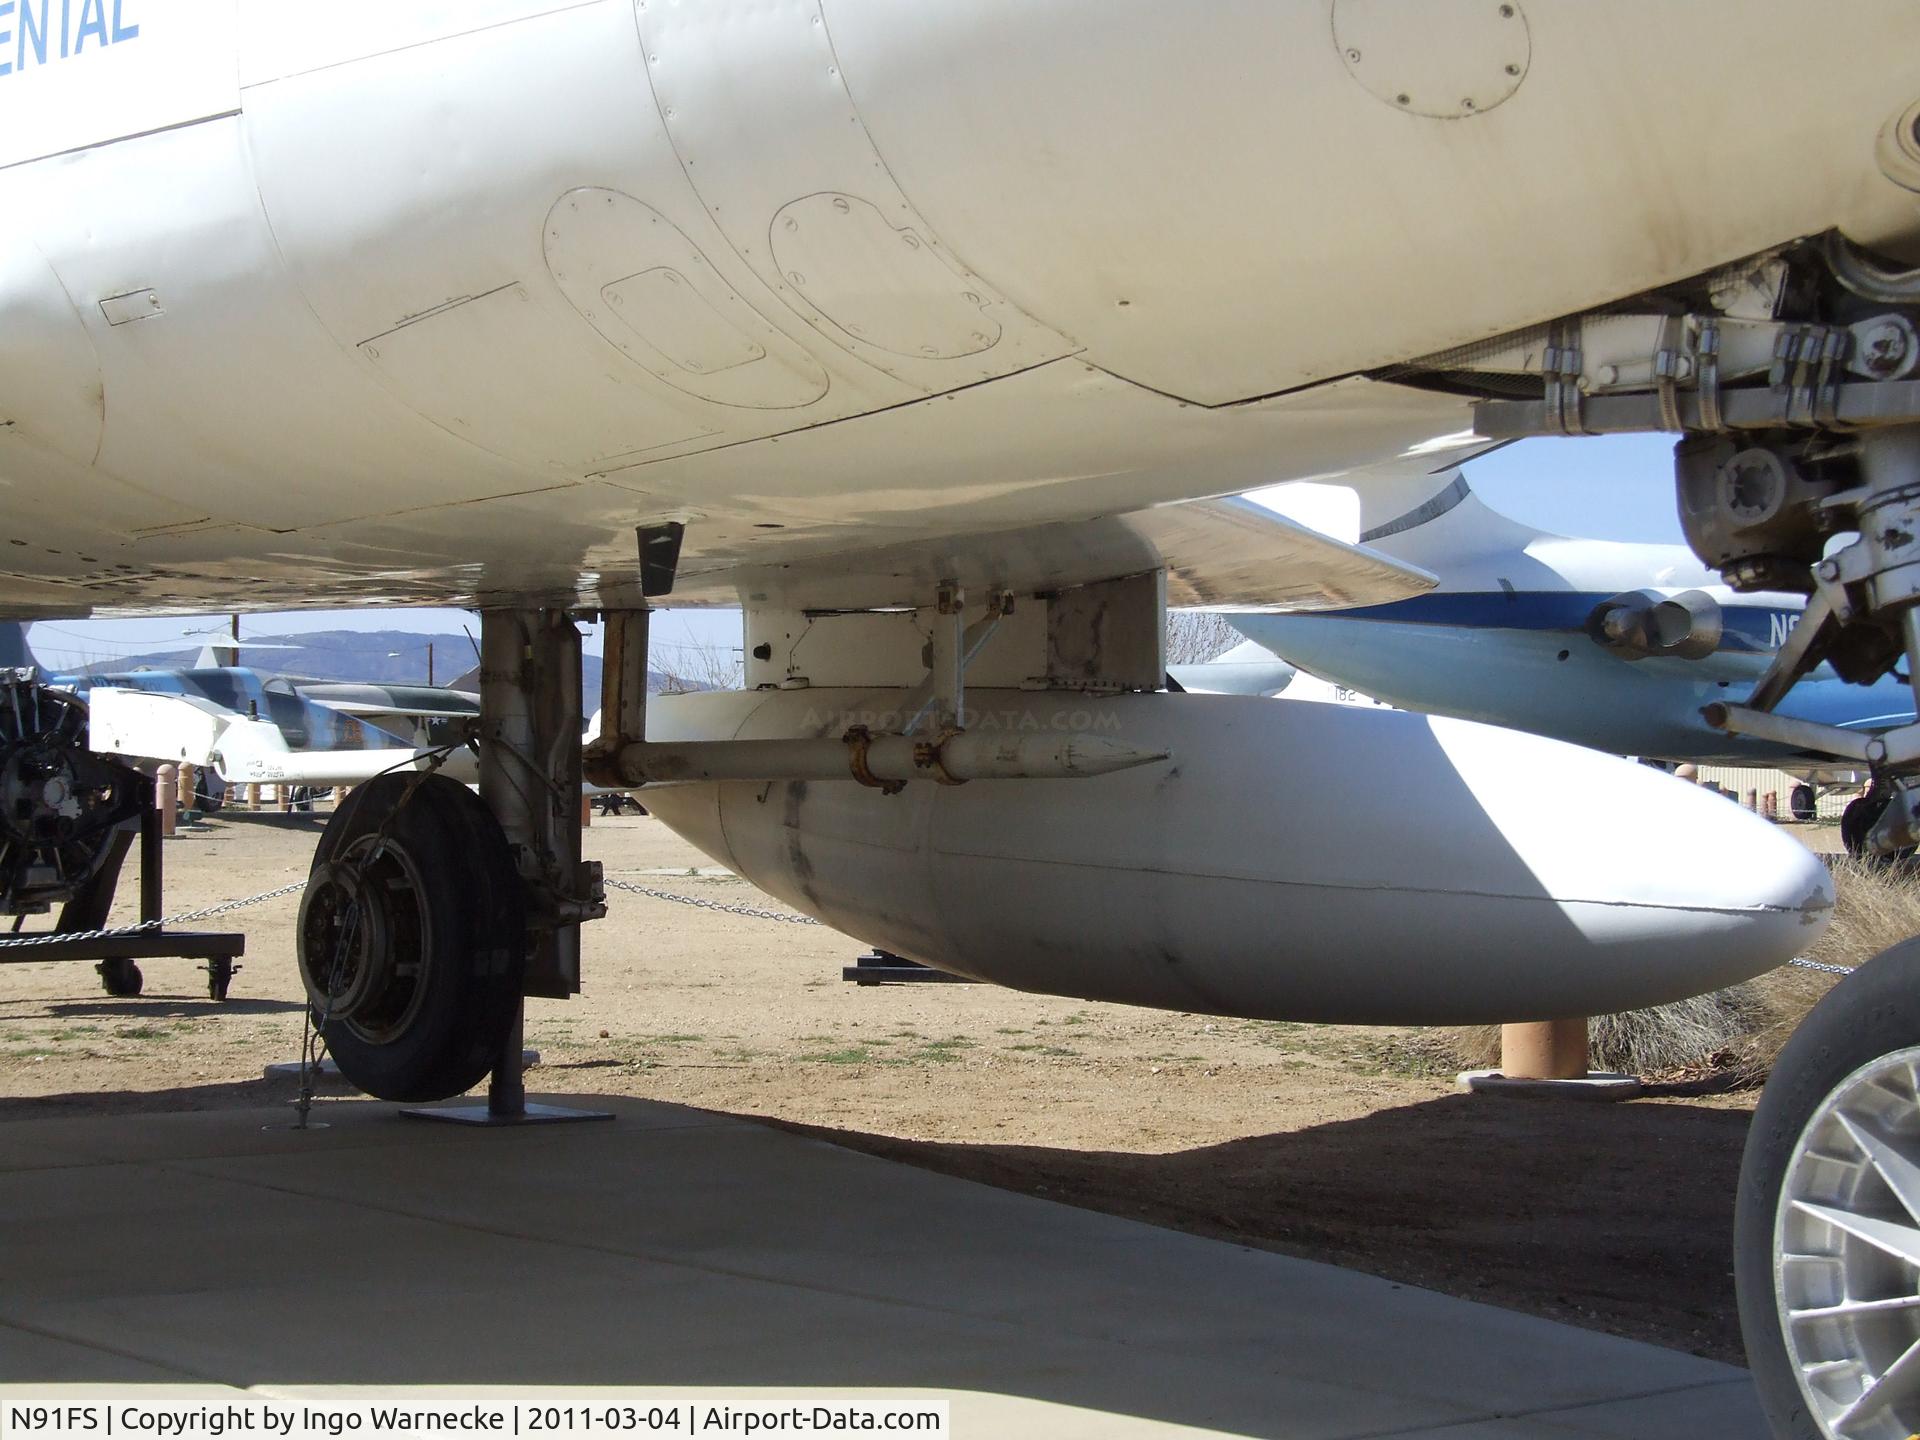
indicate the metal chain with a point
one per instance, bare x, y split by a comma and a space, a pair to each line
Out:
1821, 966
19, 941
205, 913
753, 912
209, 912
435, 759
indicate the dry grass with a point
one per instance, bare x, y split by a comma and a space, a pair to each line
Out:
1737, 1032
1876, 908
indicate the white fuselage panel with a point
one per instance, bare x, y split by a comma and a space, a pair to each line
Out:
435, 302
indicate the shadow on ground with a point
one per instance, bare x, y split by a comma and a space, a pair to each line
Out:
238, 1095
682, 1247
149, 1007
1615, 1217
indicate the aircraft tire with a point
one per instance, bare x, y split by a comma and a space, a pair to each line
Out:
1869, 1017
1857, 819
1857, 822
1802, 803
121, 977
412, 938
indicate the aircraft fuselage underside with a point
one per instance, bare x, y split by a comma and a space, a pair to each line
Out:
302, 303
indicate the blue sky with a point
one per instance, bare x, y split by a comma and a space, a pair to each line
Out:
1612, 487
1609, 487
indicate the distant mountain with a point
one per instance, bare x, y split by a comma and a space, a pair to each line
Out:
378, 657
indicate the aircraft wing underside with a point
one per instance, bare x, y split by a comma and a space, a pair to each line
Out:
1224, 554
1042, 481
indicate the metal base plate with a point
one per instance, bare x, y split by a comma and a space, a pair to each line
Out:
1594, 1085
881, 967
330, 1069
528, 1115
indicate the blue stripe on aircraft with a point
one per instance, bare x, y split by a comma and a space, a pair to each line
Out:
1753, 628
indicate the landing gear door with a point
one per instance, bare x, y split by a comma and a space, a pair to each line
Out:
80, 73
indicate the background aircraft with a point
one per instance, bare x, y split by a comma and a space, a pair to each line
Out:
1248, 668
1605, 643
239, 725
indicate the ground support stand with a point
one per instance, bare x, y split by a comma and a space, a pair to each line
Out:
883, 967
81, 935
507, 1095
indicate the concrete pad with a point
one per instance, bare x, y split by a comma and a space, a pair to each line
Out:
39, 1151
53, 1361
1138, 1284
679, 1248
1705, 1409
340, 1124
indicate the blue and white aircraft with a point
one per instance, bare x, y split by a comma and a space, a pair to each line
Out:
1609, 644
240, 725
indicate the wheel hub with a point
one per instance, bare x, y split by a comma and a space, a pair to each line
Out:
1847, 1242
363, 940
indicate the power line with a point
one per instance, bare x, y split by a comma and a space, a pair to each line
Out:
158, 643
695, 646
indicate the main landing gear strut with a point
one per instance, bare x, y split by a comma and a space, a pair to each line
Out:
1796, 380
431, 912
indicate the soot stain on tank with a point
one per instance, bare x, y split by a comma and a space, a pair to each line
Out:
799, 865
1203, 998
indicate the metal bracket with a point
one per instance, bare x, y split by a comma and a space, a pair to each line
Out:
947, 660
1807, 361
1564, 405
924, 697
1782, 730
1799, 654
1708, 367
942, 751
659, 557
1667, 362
859, 742
623, 694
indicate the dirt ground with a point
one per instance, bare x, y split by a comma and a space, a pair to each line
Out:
1319, 1141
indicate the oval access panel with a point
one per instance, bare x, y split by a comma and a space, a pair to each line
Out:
883, 285
636, 278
